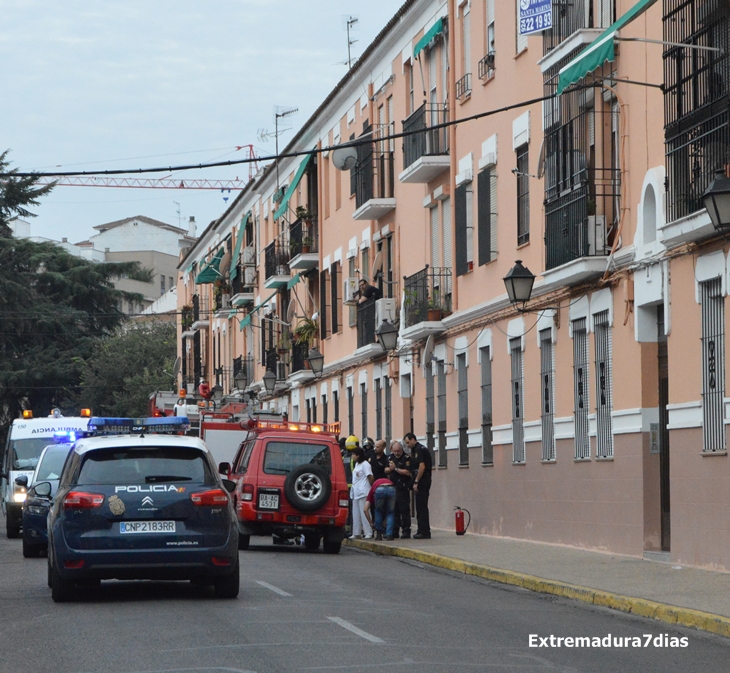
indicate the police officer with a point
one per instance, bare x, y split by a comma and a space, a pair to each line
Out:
421, 465
399, 472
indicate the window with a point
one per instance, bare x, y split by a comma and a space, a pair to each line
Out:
489, 63
352, 321
430, 414
325, 415
364, 409
435, 242
283, 457
463, 394
171, 285
378, 409
547, 400
446, 215
464, 229
336, 405
411, 96
466, 39
518, 432
388, 412
350, 411
309, 410
323, 324
604, 427
523, 195
713, 365
441, 376
487, 214
365, 265
486, 387
581, 389
353, 176
335, 306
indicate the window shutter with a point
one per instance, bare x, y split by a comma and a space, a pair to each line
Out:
469, 222
466, 26
323, 304
435, 258
461, 253
448, 259
432, 76
334, 280
484, 215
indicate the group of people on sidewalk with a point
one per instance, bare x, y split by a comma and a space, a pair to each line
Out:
381, 487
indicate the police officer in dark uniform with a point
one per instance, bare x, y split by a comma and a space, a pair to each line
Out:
421, 466
399, 472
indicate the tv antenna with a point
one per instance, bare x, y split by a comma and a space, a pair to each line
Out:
350, 24
280, 112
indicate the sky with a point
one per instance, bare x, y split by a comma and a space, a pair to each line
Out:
146, 83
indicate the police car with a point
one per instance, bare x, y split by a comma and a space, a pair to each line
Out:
133, 503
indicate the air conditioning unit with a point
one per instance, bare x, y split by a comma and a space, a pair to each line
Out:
385, 310
249, 276
226, 301
596, 235
249, 256
349, 291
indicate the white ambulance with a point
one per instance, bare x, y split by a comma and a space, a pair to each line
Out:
27, 437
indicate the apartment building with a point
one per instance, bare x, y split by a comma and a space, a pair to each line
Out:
550, 419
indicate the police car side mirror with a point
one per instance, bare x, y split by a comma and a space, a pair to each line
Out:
22, 480
229, 485
43, 489
224, 468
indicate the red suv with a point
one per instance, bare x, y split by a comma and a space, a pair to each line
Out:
290, 481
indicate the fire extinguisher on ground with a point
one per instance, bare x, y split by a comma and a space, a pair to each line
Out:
459, 520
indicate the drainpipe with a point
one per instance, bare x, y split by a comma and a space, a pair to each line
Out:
452, 145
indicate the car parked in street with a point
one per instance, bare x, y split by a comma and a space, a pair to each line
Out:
140, 505
290, 482
35, 507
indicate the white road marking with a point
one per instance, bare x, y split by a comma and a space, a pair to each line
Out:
276, 590
355, 630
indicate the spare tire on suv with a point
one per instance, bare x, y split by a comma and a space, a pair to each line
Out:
307, 487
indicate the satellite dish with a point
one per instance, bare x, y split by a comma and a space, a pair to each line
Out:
315, 315
291, 312
225, 265
377, 265
428, 350
176, 367
344, 158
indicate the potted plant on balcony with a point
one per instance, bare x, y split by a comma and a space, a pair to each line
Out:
435, 312
284, 344
222, 293
186, 317
306, 244
306, 331
304, 214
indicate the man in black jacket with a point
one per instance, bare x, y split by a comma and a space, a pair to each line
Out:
421, 465
399, 472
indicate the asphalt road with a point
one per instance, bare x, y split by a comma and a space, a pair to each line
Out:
299, 611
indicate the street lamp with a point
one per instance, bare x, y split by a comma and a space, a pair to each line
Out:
316, 361
717, 200
269, 381
216, 393
240, 379
387, 336
519, 281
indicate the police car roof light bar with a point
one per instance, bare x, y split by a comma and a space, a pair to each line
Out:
128, 426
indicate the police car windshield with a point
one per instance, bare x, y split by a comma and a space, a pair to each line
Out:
25, 452
52, 464
144, 466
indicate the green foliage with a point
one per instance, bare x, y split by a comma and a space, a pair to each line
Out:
126, 367
15, 194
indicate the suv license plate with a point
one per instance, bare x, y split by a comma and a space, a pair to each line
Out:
146, 526
268, 501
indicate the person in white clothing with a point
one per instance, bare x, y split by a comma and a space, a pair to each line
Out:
362, 478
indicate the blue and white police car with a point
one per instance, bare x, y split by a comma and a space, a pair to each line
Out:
136, 503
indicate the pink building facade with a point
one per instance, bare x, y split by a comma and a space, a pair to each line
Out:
595, 414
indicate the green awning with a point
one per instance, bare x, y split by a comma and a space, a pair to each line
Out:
190, 268
435, 30
293, 282
290, 190
599, 51
239, 243
247, 319
209, 272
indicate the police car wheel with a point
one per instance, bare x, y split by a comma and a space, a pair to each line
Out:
12, 527
61, 590
307, 487
228, 586
243, 542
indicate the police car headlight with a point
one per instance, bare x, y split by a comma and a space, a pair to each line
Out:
19, 497
35, 509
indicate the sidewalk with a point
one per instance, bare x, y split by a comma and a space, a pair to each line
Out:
670, 593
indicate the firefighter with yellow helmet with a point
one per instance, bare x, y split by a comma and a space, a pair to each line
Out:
351, 443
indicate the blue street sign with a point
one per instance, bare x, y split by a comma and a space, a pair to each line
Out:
535, 15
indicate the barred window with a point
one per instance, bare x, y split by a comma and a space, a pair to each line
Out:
581, 389
324, 410
547, 383
604, 406
713, 365
350, 411
518, 433
463, 392
523, 195
487, 451
441, 376
336, 405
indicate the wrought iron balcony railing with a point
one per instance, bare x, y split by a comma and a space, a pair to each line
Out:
299, 352
373, 173
430, 142
303, 238
276, 257
572, 15
366, 323
427, 295
463, 87
485, 68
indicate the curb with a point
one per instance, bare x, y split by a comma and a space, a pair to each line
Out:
643, 607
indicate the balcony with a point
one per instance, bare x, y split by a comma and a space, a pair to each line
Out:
201, 313
242, 293
427, 300
426, 152
222, 302
373, 178
246, 365
303, 245
485, 67
276, 263
463, 87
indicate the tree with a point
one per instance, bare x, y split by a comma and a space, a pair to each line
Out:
15, 194
126, 367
